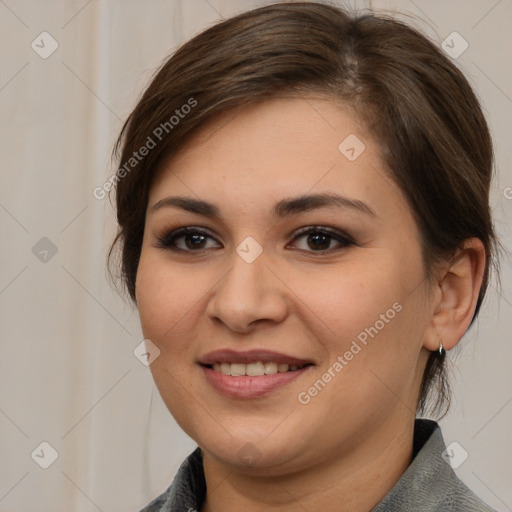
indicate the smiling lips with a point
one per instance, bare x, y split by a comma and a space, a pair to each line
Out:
254, 369
250, 374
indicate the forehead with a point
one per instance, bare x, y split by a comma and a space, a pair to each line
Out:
277, 148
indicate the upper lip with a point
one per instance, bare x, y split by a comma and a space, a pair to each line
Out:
250, 356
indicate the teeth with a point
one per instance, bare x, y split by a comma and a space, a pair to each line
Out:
238, 369
255, 369
270, 368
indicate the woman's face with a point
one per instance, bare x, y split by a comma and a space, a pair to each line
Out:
299, 251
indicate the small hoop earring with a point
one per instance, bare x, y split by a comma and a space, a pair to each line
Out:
441, 349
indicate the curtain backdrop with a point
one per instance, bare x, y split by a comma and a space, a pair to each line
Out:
71, 71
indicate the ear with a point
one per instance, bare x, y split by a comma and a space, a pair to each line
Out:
455, 296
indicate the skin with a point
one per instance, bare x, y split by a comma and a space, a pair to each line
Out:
348, 446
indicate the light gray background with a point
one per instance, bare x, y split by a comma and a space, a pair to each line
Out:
67, 369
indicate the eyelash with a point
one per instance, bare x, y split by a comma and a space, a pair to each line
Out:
167, 240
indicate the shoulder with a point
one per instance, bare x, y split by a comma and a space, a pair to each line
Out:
187, 490
459, 498
159, 503
429, 483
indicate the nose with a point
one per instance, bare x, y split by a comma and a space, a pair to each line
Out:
249, 294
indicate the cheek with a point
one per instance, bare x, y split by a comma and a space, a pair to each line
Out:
348, 298
165, 299
369, 313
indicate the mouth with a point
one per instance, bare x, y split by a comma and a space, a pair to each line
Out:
251, 374
254, 369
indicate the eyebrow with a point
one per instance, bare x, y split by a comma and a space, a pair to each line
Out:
283, 208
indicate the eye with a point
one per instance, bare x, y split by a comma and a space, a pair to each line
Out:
187, 239
321, 239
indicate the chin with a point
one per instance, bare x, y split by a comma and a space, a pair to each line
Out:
245, 451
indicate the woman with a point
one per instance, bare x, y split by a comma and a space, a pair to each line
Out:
304, 226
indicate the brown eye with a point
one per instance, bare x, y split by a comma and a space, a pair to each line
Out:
187, 239
196, 241
320, 239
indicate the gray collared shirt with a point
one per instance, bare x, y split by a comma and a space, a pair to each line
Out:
428, 485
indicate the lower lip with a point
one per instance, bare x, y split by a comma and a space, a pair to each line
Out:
250, 387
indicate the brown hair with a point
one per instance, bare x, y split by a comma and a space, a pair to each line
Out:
419, 107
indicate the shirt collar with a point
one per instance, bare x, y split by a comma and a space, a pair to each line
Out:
428, 474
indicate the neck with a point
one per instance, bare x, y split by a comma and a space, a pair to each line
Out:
356, 481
